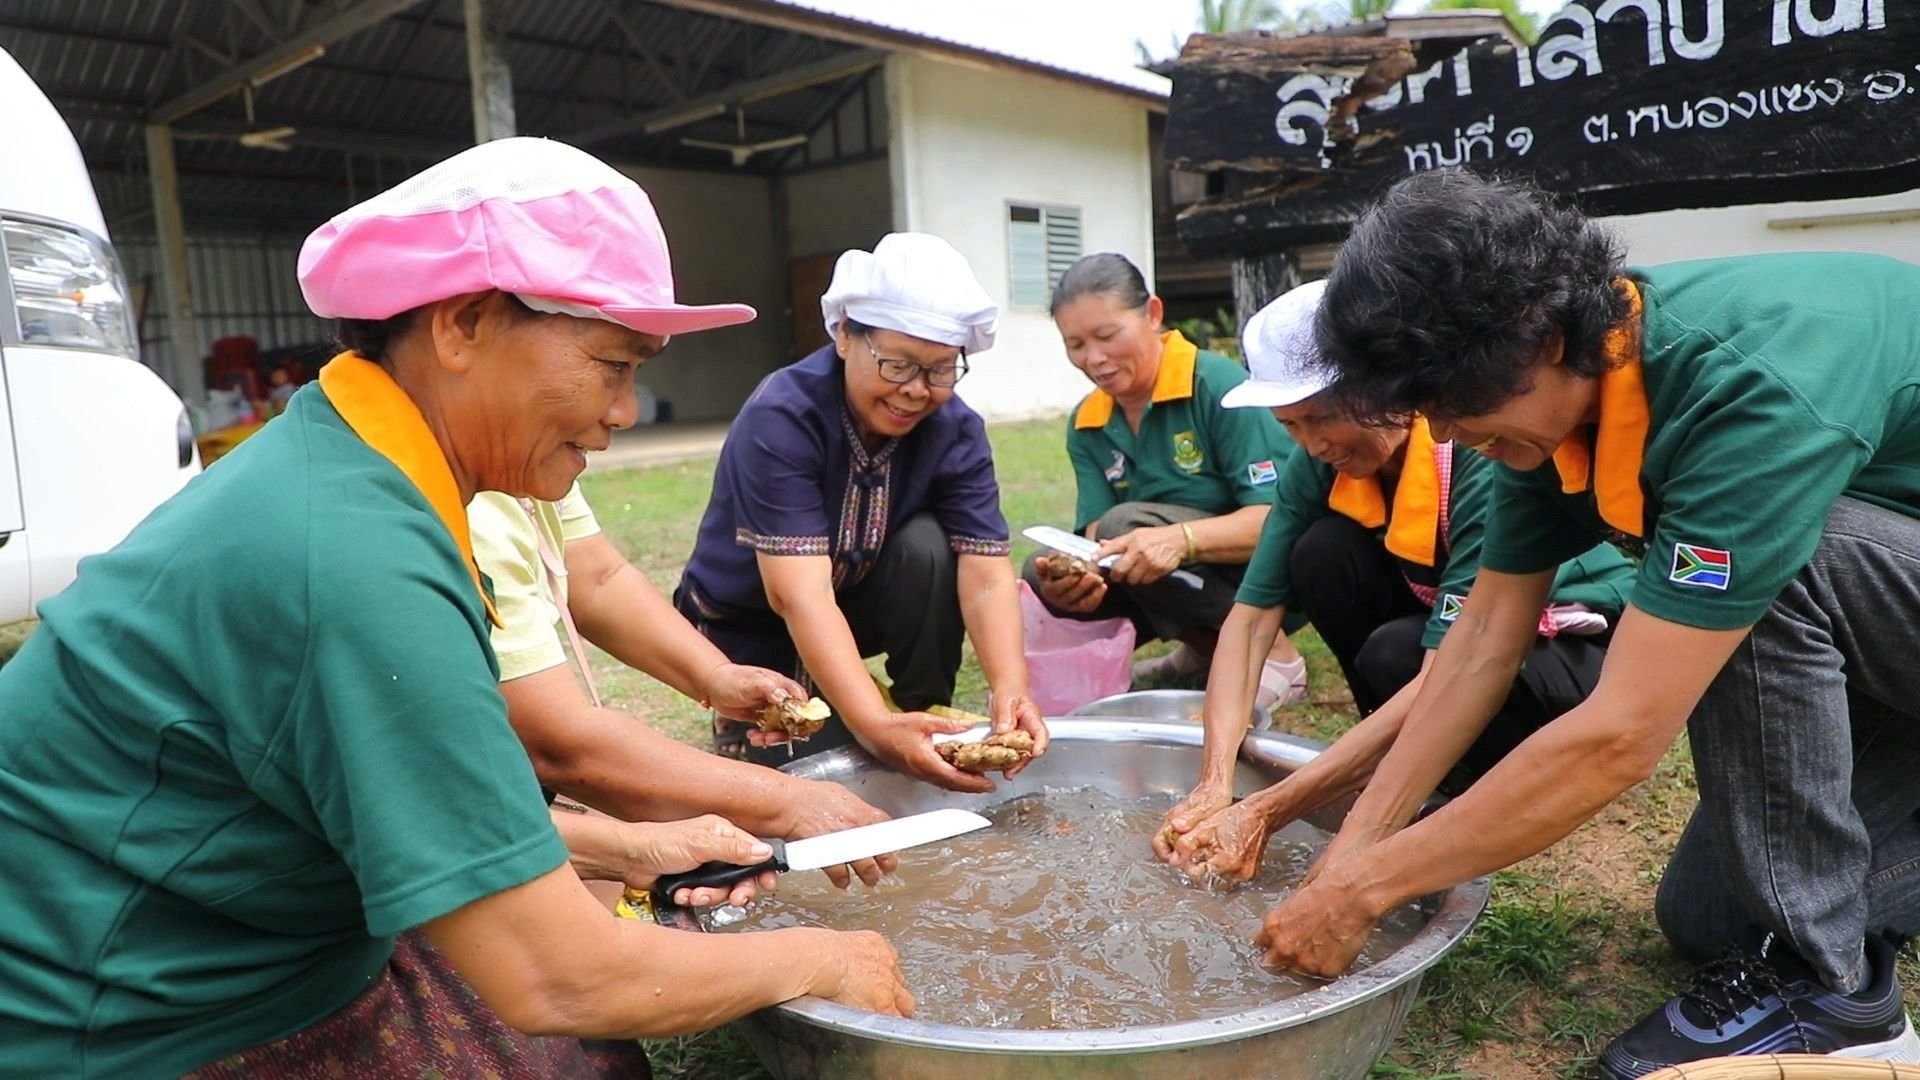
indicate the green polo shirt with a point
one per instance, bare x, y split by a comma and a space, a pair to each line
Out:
245, 749
1598, 578
1773, 385
1189, 451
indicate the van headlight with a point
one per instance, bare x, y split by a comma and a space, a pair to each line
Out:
68, 289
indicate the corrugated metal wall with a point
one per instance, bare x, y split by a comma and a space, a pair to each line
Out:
242, 285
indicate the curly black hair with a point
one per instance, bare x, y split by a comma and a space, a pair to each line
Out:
1447, 289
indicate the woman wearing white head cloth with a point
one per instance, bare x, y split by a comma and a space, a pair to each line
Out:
855, 513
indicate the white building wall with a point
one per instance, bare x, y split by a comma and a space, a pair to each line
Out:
966, 143
1885, 225
720, 231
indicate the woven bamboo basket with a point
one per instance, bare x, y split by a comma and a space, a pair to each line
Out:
1787, 1067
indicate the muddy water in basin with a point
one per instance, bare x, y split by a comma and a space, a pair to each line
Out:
1060, 917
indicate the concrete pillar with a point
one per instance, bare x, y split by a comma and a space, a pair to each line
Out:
487, 70
187, 371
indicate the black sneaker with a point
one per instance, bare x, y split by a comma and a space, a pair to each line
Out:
1771, 1003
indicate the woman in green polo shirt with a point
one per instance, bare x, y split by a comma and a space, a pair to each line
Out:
1750, 429
1375, 535
264, 814
1164, 478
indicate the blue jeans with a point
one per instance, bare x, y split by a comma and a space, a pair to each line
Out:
1807, 747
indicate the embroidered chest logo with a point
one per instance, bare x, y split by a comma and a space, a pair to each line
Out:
1262, 472
1186, 452
1701, 567
1116, 472
1450, 606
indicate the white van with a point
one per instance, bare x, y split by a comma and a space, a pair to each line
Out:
91, 440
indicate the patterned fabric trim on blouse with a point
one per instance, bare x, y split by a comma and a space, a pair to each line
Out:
971, 545
783, 545
869, 489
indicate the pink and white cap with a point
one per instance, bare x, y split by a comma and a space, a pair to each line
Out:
550, 223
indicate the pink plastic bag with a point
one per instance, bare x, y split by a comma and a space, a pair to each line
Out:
1070, 663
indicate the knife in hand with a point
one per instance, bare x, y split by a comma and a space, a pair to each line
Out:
828, 849
1082, 548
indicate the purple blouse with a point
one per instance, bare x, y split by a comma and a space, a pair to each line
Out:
795, 479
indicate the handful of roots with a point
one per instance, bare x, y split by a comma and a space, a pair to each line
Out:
995, 753
795, 718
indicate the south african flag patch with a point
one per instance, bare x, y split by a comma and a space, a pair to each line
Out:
1450, 606
1701, 567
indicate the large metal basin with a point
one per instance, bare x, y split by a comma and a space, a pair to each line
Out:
1335, 1032
1170, 706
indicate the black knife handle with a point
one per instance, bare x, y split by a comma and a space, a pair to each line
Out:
718, 875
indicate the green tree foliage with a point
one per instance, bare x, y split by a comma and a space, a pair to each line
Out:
1525, 22
1232, 16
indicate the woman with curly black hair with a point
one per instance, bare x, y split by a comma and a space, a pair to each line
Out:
1749, 429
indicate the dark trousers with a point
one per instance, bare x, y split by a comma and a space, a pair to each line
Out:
908, 607
1353, 592
1167, 608
1807, 748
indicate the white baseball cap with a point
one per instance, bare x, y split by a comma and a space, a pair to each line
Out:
1283, 363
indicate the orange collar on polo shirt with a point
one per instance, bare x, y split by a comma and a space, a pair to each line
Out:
387, 420
1178, 357
1414, 530
1619, 440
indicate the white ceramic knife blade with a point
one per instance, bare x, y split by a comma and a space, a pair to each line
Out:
1082, 548
866, 841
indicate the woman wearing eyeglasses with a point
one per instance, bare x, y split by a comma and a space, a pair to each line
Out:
855, 513
1166, 479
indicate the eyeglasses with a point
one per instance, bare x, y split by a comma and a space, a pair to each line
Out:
902, 372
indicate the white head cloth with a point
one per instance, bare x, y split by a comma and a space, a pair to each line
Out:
915, 284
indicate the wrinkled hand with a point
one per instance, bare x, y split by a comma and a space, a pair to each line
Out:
674, 847
739, 692
1146, 555
1204, 801
904, 742
1013, 712
1227, 846
825, 807
1319, 930
1077, 593
867, 975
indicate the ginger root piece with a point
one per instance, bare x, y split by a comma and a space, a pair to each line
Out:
1061, 566
797, 719
995, 753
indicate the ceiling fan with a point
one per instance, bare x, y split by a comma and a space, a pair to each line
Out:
253, 136
273, 138
741, 150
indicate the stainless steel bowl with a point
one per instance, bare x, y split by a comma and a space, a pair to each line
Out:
1335, 1032
1171, 706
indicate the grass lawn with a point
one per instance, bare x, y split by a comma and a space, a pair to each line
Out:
1566, 956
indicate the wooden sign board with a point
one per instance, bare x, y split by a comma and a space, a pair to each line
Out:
1629, 105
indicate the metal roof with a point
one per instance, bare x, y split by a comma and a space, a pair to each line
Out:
393, 94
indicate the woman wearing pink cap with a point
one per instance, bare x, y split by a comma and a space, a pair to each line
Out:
855, 513
264, 811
